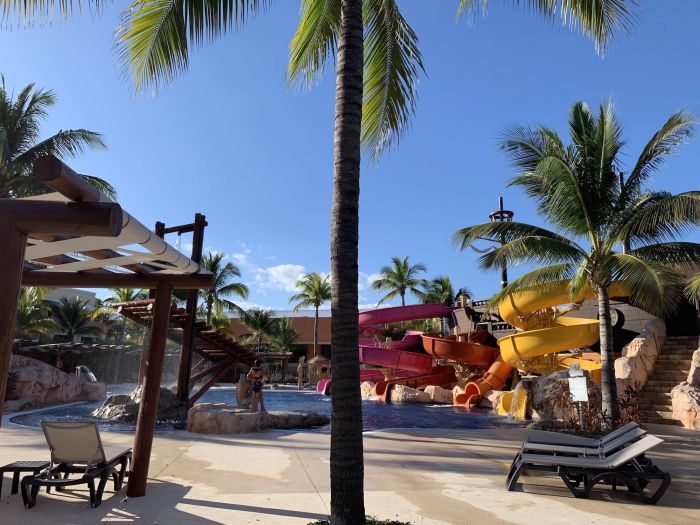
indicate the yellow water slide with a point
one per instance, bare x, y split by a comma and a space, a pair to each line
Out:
543, 335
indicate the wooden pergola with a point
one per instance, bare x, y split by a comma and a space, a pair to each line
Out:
77, 237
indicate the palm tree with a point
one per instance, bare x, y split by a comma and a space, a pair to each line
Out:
314, 291
73, 318
216, 296
612, 229
20, 119
260, 322
377, 67
106, 307
283, 335
32, 314
440, 290
399, 278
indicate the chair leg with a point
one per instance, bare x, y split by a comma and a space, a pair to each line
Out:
91, 486
573, 486
15, 483
516, 469
29, 492
100, 490
656, 496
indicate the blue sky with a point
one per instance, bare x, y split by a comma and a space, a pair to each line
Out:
229, 140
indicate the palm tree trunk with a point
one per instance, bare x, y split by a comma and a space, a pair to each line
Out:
210, 304
316, 333
347, 468
608, 386
403, 298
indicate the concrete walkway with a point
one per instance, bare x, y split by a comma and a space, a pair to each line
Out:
424, 476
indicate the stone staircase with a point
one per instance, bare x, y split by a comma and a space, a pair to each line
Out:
671, 368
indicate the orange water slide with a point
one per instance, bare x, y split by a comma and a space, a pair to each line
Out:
494, 379
439, 376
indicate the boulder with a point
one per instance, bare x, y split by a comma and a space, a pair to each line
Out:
639, 356
694, 375
367, 389
491, 399
548, 396
39, 384
404, 394
439, 395
685, 399
243, 392
125, 408
220, 418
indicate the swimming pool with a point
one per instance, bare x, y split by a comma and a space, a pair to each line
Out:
375, 415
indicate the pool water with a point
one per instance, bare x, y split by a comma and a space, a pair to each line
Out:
375, 415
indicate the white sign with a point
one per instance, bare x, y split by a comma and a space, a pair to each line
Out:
578, 388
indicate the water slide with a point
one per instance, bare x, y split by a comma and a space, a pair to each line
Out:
533, 348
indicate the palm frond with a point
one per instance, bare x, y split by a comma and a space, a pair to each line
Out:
502, 232
692, 289
663, 217
676, 131
532, 249
154, 36
653, 286
393, 64
542, 279
314, 41
102, 186
32, 11
598, 20
670, 253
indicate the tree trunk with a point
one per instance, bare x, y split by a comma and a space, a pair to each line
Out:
316, 333
608, 386
210, 304
403, 298
347, 469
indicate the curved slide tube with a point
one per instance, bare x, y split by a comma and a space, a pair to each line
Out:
522, 350
439, 376
324, 385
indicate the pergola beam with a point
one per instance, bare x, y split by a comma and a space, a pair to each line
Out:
55, 174
115, 280
100, 219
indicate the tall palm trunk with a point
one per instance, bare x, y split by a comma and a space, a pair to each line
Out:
316, 333
608, 386
210, 306
403, 298
347, 469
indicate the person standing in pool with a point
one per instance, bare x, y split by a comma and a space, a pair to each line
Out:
256, 378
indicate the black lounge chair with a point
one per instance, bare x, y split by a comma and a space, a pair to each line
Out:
621, 459
76, 448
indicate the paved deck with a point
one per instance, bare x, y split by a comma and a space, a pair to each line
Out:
425, 476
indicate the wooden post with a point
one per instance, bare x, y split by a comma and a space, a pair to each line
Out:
145, 348
14, 243
183, 379
146, 422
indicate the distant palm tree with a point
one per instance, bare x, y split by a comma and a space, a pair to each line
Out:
32, 314
398, 278
283, 335
216, 296
260, 322
73, 318
440, 290
20, 145
628, 234
105, 308
314, 290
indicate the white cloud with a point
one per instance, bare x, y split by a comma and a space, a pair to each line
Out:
281, 277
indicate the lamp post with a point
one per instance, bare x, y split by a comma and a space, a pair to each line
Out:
501, 215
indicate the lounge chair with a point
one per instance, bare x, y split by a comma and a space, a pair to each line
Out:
577, 466
557, 438
76, 448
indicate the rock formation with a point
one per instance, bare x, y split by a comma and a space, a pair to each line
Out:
685, 398
35, 384
219, 418
439, 395
639, 356
367, 389
404, 394
125, 408
548, 400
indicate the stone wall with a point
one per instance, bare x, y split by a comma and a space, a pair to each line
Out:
639, 356
685, 398
35, 384
635, 318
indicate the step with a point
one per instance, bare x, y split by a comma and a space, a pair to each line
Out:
662, 375
661, 382
665, 414
662, 421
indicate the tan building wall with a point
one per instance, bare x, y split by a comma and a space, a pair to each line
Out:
303, 325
